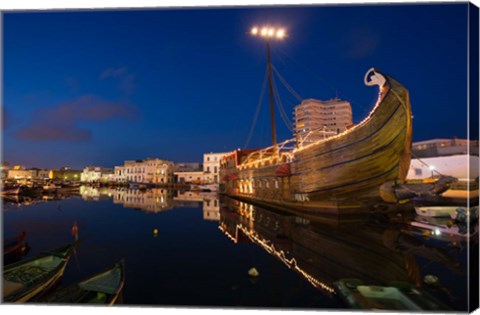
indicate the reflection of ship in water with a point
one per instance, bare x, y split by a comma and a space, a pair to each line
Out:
151, 200
209, 201
323, 254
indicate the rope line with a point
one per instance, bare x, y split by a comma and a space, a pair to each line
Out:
285, 83
257, 111
280, 107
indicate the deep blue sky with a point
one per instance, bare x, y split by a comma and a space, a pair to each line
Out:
101, 87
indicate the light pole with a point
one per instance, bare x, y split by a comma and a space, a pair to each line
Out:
270, 33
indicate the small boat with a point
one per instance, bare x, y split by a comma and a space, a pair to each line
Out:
25, 279
13, 190
14, 245
436, 211
101, 288
50, 187
397, 296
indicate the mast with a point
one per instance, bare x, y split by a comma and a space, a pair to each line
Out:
272, 105
267, 33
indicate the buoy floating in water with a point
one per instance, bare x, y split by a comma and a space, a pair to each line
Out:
155, 232
253, 272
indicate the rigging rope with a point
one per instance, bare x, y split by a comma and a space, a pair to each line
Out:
254, 122
315, 75
281, 109
285, 83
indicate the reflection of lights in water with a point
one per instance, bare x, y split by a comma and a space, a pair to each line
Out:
280, 254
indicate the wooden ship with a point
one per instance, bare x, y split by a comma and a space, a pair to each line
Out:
337, 174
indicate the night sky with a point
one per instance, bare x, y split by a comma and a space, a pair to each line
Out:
102, 87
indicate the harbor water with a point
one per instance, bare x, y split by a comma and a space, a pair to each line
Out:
198, 249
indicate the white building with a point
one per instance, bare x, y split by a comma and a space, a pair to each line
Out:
211, 167
464, 167
92, 174
444, 147
190, 177
315, 119
152, 171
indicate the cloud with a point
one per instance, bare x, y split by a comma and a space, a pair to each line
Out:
72, 83
360, 43
113, 73
60, 123
57, 131
127, 80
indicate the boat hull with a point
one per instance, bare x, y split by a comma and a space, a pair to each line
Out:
22, 282
346, 168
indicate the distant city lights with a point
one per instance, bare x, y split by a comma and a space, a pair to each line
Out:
269, 32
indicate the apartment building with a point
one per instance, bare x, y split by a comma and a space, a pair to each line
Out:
316, 120
211, 167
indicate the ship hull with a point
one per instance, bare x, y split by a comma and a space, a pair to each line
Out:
341, 174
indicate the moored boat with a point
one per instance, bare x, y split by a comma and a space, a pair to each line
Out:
14, 244
25, 279
397, 296
11, 190
102, 288
436, 211
335, 175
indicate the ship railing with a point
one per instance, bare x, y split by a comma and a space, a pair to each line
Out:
273, 155
315, 135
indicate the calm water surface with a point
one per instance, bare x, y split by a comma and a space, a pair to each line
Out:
205, 246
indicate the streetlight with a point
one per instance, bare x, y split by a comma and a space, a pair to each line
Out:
268, 33
432, 168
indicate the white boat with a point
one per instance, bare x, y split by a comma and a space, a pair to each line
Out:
436, 211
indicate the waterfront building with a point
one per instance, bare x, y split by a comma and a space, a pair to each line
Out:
65, 173
461, 166
119, 175
211, 166
188, 167
4, 170
150, 170
316, 120
190, 177
450, 157
19, 172
444, 147
92, 174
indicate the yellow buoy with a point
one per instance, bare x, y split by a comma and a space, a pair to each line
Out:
155, 232
253, 272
